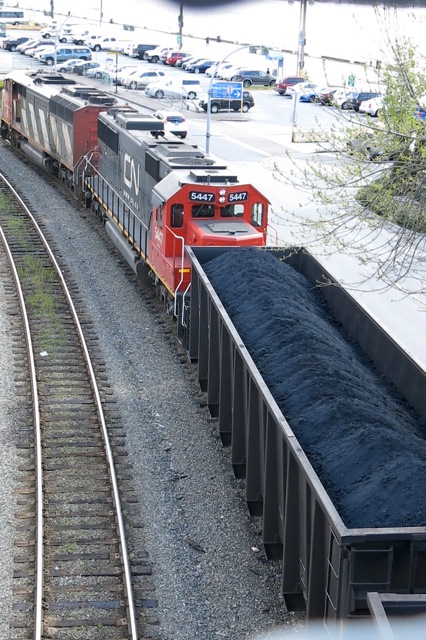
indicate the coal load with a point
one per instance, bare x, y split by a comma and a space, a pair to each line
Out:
366, 445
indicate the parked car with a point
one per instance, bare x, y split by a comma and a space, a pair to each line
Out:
129, 48
122, 73
67, 66
140, 49
254, 76
231, 72
200, 67
325, 95
24, 45
53, 29
216, 69
30, 51
174, 122
154, 55
140, 79
173, 89
10, 44
361, 96
281, 84
111, 43
82, 66
306, 91
65, 53
184, 63
224, 104
86, 37
420, 113
341, 97
173, 56
372, 106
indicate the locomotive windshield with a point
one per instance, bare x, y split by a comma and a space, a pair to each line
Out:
202, 211
232, 211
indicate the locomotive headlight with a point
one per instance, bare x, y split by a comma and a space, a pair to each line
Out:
222, 199
222, 192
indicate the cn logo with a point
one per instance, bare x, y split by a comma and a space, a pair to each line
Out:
132, 174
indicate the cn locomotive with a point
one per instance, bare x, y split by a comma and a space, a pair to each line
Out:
155, 193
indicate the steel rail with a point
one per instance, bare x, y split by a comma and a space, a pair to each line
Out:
116, 494
38, 624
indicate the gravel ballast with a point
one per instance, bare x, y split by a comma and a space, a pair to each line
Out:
209, 576
366, 445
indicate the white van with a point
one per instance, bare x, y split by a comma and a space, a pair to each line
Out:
54, 28
86, 36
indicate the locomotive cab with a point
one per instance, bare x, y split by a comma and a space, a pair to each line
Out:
202, 212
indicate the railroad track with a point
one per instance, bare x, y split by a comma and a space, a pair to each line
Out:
73, 573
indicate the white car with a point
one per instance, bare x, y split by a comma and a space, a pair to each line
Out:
129, 48
124, 72
67, 66
371, 107
174, 122
341, 97
173, 89
140, 79
107, 43
154, 55
232, 71
307, 91
37, 48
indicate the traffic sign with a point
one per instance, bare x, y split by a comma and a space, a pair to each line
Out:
230, 90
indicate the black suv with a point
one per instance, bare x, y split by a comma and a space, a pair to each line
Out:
10, 44
356, 98
223, 104
140, 49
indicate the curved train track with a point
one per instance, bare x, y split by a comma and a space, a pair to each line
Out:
74, 576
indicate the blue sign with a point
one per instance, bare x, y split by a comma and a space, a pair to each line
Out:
227, 90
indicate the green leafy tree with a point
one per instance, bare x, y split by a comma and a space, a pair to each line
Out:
372, 200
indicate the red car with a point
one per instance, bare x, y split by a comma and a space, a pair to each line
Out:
281, 84
174, 56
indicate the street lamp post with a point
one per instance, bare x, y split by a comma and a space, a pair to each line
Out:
302, 39
58, 30
180, 25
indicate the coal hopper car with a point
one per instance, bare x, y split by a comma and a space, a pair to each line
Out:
324, 413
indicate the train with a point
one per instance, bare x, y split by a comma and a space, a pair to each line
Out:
155, 193
172, 211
